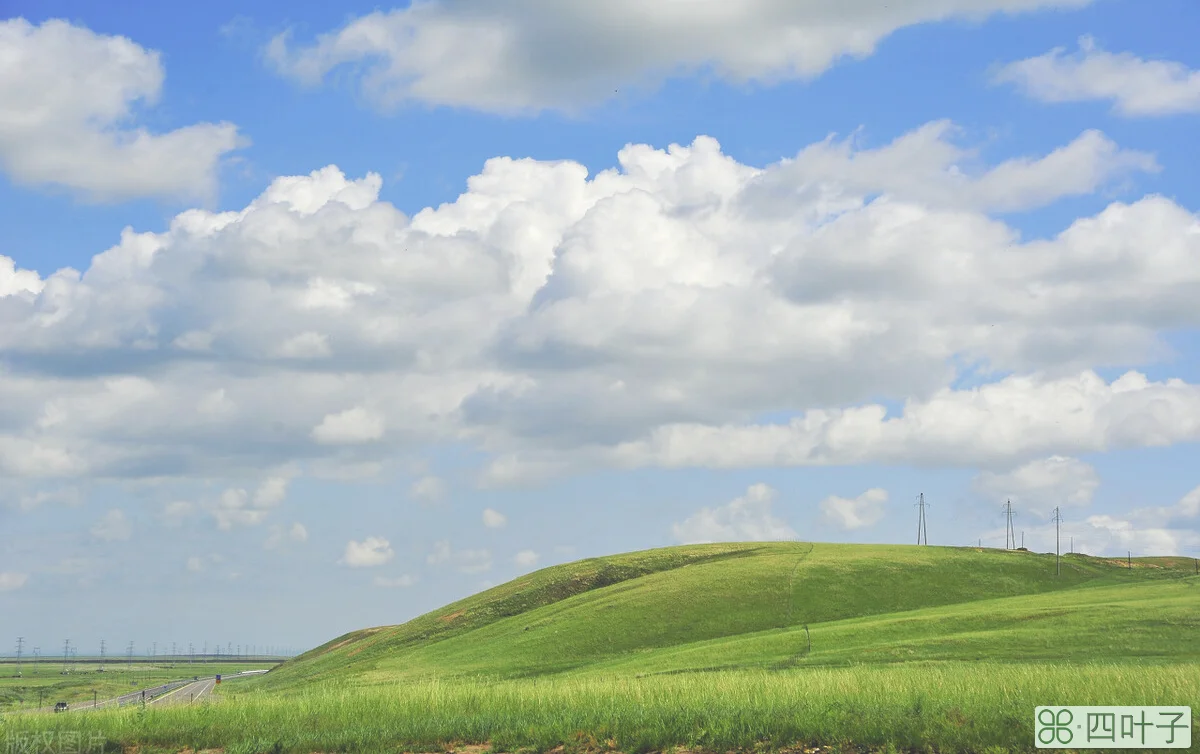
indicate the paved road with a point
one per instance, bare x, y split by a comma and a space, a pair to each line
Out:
196, 691
175, 692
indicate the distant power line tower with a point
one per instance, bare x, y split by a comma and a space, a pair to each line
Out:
102, 655
129, 656
1010, 534
20, 646
1057, 547
922, 535
37, 653
66, 654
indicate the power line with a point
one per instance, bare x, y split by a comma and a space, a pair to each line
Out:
922, 534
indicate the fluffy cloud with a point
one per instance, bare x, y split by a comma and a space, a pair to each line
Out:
532, 54
66, 101
11, 580
1149, 531
857, 512
351, 426
647, 315
113, 527
744, 519
526, 558
372, 551
1136, 87
236, 507
428, 489
1042, 485
1011, 420
493, 519
279, 536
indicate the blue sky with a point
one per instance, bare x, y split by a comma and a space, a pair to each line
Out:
744, 272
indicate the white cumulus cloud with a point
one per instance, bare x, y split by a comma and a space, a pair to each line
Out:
493, 519
279, 536
353, 425
67, 99
856, 512
526, 558
428, 489
535, 54
1042, 485
372, 551
11, 580
745, 519
1135, 86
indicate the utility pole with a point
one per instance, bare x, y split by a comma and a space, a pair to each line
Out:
1129, 555
1010, 535
1072, 545
20, 646
922, 535
1057, 548
1022, 540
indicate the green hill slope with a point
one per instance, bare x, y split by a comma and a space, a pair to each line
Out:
737, 605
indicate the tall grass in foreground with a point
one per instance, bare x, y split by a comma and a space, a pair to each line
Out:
955, 707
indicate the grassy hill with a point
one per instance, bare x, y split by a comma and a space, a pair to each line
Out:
746, 605
719, 649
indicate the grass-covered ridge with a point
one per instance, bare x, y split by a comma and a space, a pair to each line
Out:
721, 648
750, 601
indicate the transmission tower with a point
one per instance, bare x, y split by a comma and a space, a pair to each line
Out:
66, 654
129, 656
1010, 534
922, 535
37, 653
1057, 547
102, 655
20, 646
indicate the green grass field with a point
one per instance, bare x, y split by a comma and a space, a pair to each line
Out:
44, 684
723, 647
